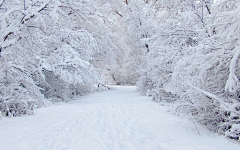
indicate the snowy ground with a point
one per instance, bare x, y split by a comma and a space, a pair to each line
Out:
120, 119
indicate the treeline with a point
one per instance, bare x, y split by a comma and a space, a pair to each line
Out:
190, 57
45, 55
180, 52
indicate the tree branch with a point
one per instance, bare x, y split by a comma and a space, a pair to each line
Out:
208, 9
118, 13
43, 8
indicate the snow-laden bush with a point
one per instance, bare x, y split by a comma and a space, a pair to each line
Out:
42, 57
18, 93
193, 60
208, 77
67, 67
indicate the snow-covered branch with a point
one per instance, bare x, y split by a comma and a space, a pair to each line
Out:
208, 94
233, 83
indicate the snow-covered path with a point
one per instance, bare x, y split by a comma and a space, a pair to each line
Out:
120, 119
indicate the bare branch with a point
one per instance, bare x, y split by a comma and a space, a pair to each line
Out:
118, 13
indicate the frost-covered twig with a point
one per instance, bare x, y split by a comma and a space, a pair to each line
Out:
208, 94
233, 83
194, 124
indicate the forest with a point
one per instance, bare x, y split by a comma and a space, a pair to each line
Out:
183, 52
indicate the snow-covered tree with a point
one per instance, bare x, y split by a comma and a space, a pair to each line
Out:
19, 93
41, 54
183, 52
192, 60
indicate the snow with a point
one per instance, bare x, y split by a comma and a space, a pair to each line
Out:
235, 127
233, 83
119, 119
208, 94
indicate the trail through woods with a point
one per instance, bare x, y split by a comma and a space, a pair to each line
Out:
119, 119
